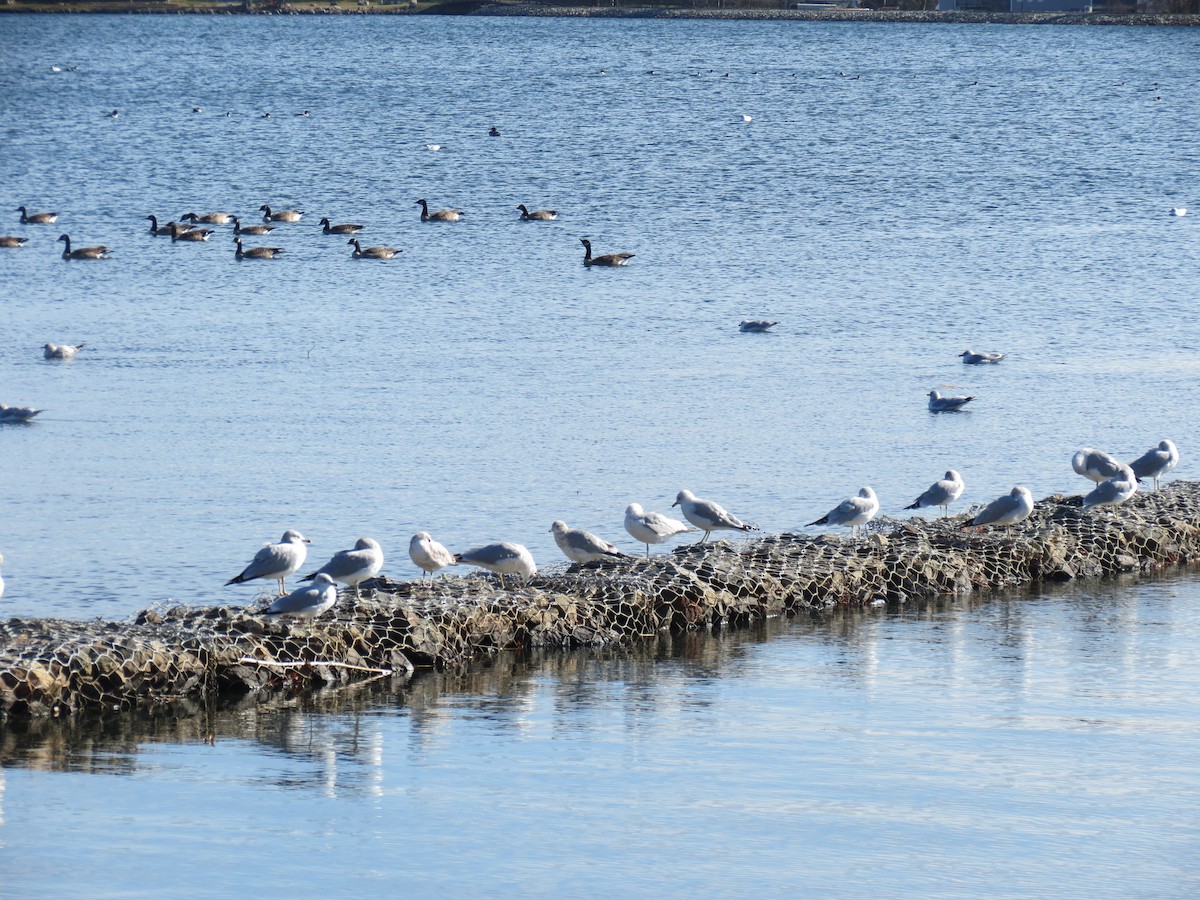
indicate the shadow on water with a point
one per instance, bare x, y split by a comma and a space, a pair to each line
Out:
496, 693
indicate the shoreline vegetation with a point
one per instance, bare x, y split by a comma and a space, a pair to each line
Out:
698, 9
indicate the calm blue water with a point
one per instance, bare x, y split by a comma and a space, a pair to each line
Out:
984, 187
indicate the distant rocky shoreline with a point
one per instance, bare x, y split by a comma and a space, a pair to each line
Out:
506, 8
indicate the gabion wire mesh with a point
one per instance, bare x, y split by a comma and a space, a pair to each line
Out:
54, 666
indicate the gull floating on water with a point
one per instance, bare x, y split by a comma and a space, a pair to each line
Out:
307, 602
708, 516
746, 118
427, 554
61, 351
501, 558
1179, 210
853, 511
1095, 464
1156, 463
938, 403
276, 561
970, 358
19, 414
581, 546
352, 567
941, 493
755, 325
651, 527
1113, 491
1013, 507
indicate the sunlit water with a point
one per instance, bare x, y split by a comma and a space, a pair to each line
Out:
984, 187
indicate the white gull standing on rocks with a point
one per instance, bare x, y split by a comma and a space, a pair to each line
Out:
651, 527
427, 554
1095, 464
276, 561
941, 493
306, 602
502, 558
852, 511
1156, 463
708, 516
1013, 507
1113, 491
581, 546
352, 567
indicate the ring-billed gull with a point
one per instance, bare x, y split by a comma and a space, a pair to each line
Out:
1113, 491
852, 511
351, 567
581, 546
756, 326
708, 516
502, 558
306, 602
427, 554
276, 561
18, 414
938, 403
941, 493
651, 527
979, 359
61, 351
1156, 463
1095, 464
1013, 507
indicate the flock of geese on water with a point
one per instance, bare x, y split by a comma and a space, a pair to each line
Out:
1115, 483
189, 229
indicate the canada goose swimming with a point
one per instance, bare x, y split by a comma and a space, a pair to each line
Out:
164, 230
82, 252
372, 252
1179, 210
239, 228
757, 326
207, 218
21, 414
255, 252
443, 215
284, 215
538, 215
61, 351
339, 229
46, 218
493, 131
115, 114
187, 233
608, 259
10, 241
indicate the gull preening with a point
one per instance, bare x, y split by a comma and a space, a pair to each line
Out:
853, 511
756, 326
1113, 491
17, 414
979, 359
1156, 462
651, 527
307, 602
501, 558
938, 403
581, 546
708, 516
352, 567
61, 351
1013, 507
1095, 464
276, 561
941, 493
427, 554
